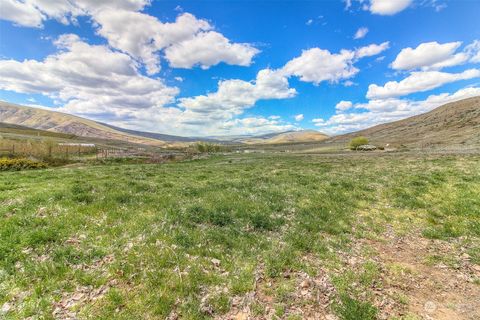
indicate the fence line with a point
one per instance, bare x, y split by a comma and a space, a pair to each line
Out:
69, 151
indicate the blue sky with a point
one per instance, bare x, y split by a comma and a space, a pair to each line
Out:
239, 67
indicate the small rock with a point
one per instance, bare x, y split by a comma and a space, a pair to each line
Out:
215, 262
430, 307
241, 316
305, 284
6, 307
331, 317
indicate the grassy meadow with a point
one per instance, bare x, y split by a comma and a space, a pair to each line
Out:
243, 236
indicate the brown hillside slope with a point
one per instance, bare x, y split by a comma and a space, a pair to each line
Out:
453, 125
65, 123
288, 137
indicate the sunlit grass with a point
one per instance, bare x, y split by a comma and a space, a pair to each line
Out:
163, 237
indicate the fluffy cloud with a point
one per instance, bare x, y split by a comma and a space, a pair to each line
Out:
299, 117
24, 14
87, 80
64, 11
361, 33
189, 41
317, 65
343, 105
371, 50
418, 82
388, 7
383, 111
430, 55
233, 96
219, 112
142, 36
208, 49
381, 7
105, 85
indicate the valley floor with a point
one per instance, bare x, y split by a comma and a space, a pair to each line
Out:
244, 236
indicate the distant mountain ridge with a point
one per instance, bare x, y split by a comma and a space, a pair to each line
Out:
159, 136
41, 119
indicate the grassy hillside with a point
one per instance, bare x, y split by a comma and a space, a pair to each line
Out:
388, 236
287, 137
454, 125
64, 123
7, 129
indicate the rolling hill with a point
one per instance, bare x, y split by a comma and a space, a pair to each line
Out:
453, 125
18, 130
46, 120
287, 137
53, 121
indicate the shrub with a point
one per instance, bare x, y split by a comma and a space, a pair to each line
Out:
204, 147
20, 164
357, 141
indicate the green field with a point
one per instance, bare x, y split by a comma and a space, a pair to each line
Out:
259, 236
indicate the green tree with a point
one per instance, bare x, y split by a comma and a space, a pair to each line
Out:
357, 141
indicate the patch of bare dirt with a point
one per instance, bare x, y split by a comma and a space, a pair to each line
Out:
65, 309
71, 302
310, 298
433, 290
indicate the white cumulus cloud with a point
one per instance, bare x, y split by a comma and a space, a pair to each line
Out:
138, 34
233, 96
343, 105
388, 7
430, 55
23, 14
361, 33
87, 79
371, 50
418, 82
316, 65
207, 49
